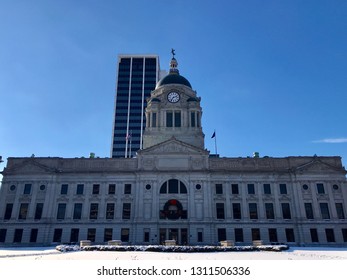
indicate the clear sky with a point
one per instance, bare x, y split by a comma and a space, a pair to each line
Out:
272, 75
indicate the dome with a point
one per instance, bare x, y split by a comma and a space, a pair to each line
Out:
173, 78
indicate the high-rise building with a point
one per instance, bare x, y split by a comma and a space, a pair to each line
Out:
137, 76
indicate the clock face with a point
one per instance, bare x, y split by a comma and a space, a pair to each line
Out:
173, 97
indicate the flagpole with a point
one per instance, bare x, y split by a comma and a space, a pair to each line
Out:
130, 143
215, 142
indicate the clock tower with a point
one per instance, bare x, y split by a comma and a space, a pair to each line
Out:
173, 111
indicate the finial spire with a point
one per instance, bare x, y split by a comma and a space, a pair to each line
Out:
173, 53
173, 63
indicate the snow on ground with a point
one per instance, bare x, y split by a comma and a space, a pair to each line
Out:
294, 253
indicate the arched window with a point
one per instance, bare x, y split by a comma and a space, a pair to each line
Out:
173, 186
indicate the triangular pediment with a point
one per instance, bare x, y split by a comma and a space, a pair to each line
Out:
29, 166
318, 166
173, 147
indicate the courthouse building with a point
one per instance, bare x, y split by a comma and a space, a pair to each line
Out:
173, 188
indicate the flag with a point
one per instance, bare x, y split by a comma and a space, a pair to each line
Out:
213, 135
128, 136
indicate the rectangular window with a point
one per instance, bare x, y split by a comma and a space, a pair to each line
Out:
93, 213
177, 119
344, 234
18, 234
27, 189
219, 189
324, 209
110, 211
238, 234
91, 234
64, 188
220, 210
77, 213
269, 210
320, 189
173, 186
192, 119
80, 189
339, 211
58, 232
290, 235
222, 234
126, 211
234, 188
74, 235
309, 211
108, 234
33, 235
250, 188
237, 211
255, 234
124, 235
154, 119
61, 211
200, 235
146, 235
3, 233
38, 211
169, 119
127, 189
267, 189
286, 211
23, 211
112, 189
253, 211
273, 235
198, 121
329, 232
8, 211
314, 235
283, 189
96, 189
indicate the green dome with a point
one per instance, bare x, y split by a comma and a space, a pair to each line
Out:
173, 78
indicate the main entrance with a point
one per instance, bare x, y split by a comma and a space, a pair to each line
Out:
178, 234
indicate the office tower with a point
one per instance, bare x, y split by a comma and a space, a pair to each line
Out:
137, 76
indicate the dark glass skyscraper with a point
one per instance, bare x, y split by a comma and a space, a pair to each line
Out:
136, 77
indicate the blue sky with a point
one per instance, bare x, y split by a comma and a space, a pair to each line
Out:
271, 74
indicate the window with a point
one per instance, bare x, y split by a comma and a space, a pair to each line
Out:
286, 211
74, 235
339, 211
110, 211
38, 211
58, 232
314, 235
93, 213
219, 189
283, 189
112, 189
108, 234
146, 235
329, 232
222, 234
220, 210
273, 235
173, 186
61, 211
236, 210
238, 234
290, 235
234, 188
309, 211
250, 188
18, 233
126, 211
324, 208
27, 189
80, 189
269, 210
8, 211
23, 211
253, 211
91, 234
64, 188
124, 235
127, 189
267, 189
200, 235
3, 233
177, 119
77, 213
320, 189
33, 235
255, 234
344, 234
154, 119
169, 120
96, 189
198, 122
192, 119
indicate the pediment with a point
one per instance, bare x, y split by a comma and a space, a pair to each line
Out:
318, 166
29, 166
